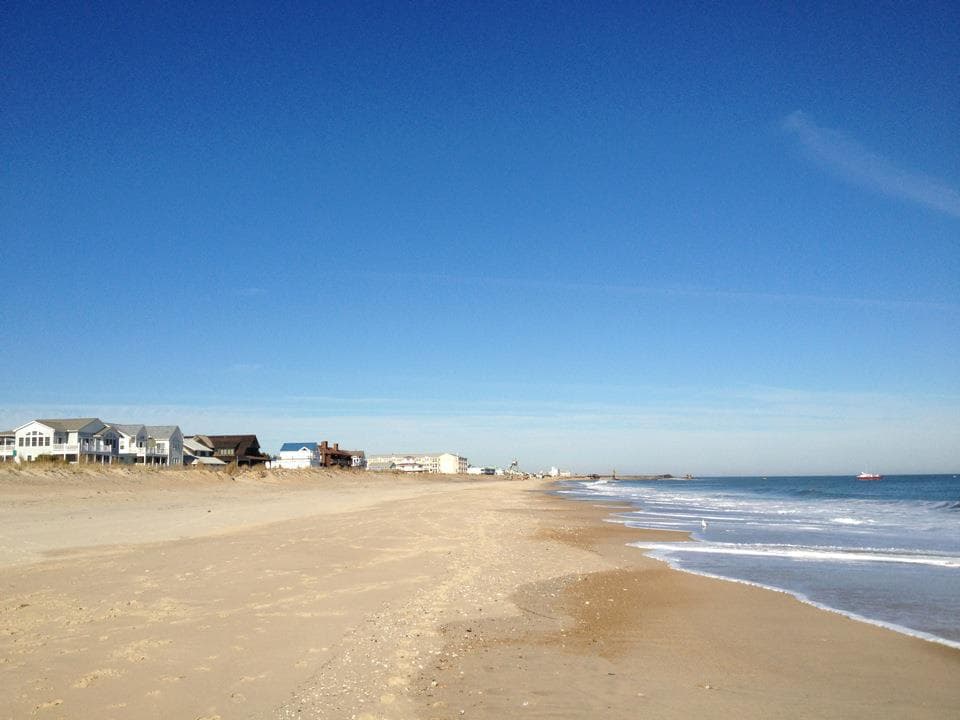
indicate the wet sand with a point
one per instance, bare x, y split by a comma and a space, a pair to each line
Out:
340, 595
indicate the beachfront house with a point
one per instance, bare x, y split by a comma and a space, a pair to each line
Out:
166, 441
294, 456
333, 456
133, 442
150, 444
196, 453
445, 463
358, 459
68, 439
8, 445
234, 449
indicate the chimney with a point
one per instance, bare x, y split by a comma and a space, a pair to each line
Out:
336, 446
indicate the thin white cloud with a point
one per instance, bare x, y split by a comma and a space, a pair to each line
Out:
668, 291
862, 167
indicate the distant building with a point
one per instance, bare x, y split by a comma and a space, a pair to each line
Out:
446, 463
481, 470
358, 459
294, 456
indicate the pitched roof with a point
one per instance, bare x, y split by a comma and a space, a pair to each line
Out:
71, 424
243, 445
161, 432
293, 447
194, 445
225, 441
126, 429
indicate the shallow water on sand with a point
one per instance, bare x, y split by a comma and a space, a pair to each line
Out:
887, 552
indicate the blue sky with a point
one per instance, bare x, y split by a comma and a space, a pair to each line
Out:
655, 239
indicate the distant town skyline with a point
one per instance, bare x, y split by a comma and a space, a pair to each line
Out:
651, 239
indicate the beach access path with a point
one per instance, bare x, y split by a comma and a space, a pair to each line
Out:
323, 594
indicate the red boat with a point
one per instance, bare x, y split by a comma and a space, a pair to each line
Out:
869, 476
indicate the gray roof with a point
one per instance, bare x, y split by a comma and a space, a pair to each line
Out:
126, 429
71, 424
190, 444
161, 432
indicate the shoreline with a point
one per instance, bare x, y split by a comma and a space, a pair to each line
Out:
380, 597
633, 518
799, 596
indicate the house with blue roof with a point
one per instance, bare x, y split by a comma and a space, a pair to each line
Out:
295, 455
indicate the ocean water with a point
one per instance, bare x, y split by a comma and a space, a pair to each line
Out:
887, 552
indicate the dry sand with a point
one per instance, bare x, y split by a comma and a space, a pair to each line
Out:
186, 594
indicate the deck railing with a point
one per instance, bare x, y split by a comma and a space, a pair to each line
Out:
90, 448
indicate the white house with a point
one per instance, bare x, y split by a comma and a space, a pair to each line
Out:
71, 439
150, 444
8, 446
166, 441
358, 459
294, 456
481, 470
133, 441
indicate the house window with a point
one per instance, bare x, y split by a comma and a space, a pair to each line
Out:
46, 441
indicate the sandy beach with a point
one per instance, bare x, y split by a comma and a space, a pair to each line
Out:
322, 594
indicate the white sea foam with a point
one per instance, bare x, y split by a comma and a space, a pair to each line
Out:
803, 553
887, 554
